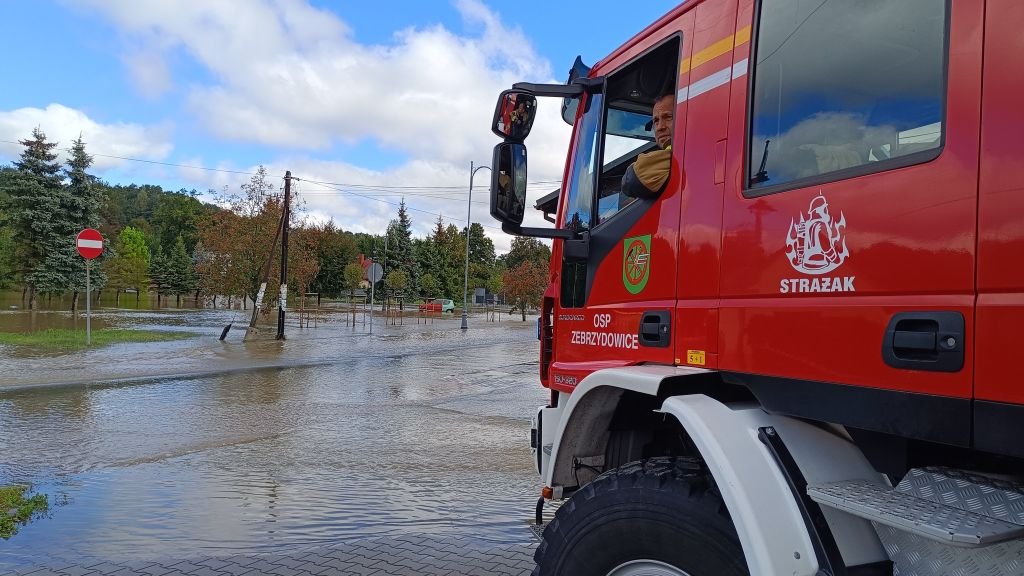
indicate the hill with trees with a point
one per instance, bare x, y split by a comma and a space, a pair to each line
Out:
217, 252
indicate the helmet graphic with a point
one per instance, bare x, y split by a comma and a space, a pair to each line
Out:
819, 207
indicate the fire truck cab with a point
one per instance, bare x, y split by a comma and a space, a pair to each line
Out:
795, 354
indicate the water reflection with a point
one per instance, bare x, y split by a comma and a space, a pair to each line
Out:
392, 440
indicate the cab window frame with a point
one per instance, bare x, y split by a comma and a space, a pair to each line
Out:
750, 158
597, 223
572, 189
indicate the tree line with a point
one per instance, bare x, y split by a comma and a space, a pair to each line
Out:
172, 243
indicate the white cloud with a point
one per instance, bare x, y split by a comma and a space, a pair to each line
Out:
290, 76
63, 125
149, 71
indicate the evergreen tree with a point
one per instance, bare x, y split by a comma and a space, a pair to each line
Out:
158, 274
441, 255
7, 275
481, 258
8, 270
179, 273
400, 253
88, 197
39, 160
82, 203
35, 212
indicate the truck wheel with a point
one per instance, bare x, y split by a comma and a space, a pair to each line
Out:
654, 517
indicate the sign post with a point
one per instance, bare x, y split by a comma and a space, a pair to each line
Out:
90, 245
88, 303
373, 273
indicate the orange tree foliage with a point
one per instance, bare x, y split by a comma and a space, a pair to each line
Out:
303, 264
525, 284
235, 248
235, 244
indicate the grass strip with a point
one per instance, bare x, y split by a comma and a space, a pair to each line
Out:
17, 507
74, 339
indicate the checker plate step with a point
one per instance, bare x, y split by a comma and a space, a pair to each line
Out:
904, 511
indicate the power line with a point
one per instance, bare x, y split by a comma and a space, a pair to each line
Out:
382, 193
373, 186
442, 215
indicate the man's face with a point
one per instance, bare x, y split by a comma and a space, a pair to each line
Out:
662, 117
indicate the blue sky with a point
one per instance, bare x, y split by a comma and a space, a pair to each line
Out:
385, 94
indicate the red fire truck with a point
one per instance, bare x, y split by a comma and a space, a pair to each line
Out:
794, 356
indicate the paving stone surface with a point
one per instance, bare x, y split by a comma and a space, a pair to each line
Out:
398, 556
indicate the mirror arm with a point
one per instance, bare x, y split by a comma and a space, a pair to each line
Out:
577, 249
560, 90
578, 87
555, 233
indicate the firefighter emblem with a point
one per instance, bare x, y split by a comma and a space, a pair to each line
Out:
636, 260
817, 244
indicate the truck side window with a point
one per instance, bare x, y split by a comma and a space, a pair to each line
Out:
628, 129
843, 88
579, 204
622, 144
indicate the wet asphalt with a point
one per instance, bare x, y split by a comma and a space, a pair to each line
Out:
208, 449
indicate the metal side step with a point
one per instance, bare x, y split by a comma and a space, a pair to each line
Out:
903, 510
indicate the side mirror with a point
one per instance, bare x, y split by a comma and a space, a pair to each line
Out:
514, 114
508, 183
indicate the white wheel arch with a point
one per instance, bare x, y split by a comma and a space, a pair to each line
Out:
767, 517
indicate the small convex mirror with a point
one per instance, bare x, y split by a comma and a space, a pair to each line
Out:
508, 182
513, 117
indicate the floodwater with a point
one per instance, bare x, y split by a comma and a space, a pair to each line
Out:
415, 429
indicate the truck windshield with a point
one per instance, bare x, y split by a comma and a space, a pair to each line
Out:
579, 204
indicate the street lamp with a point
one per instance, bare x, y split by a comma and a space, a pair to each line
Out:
469, 224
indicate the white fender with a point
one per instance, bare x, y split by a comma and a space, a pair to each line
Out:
768, 520
767, 517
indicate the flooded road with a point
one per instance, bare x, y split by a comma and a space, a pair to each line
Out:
416, 429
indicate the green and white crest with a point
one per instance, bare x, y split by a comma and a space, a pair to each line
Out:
636, 263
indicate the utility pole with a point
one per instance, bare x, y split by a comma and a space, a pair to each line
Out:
266, 277
283, 295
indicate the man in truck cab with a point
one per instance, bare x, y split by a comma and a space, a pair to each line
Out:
647, 176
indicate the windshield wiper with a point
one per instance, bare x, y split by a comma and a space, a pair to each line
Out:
762, 174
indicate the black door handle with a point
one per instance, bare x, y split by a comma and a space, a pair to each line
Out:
910, 340
656, 329
925, 341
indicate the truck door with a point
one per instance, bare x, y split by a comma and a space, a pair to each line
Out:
617, 282
999, 415
850, 217
709, 71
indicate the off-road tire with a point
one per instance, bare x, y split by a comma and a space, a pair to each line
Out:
663, 509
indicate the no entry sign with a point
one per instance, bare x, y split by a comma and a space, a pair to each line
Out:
90, 243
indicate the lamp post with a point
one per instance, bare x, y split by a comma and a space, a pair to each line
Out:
469, 224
